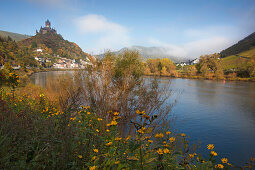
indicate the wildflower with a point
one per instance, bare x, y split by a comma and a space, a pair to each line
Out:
109, 144
166, 150
160, 152
183, 134
95, 150
150, 141
159, 135
191, 156
97, 130
107, 130
219, 166
224, 160
147, 137
128, 137
99, 119
116, 113
252, 159
213, 153
210, 146
113, 123
141, 131
92, 167
172, 139
116, 117
139, 112
116, 162
80, 156
88, 113
168, 133
118, 139
93, 158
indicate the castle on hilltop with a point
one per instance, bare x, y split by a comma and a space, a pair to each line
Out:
46, 29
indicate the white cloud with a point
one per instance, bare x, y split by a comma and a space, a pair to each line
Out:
110, 35
65, 4
195, 48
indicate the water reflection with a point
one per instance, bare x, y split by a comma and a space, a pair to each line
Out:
209, 111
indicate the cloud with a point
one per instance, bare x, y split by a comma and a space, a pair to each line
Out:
195, 48
110, 35
65, 4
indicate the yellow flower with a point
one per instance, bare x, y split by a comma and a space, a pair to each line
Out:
213, 153
224, 160
128, 137
80, 156
109, 144
166, 150
118, 138
191, 155
95, 150
113, 123
116, 113
88, 107
183, 134
97, 130
160, 152
172, 139
150, 141
168, 133
141, 130
93, 158
99, 119
92, 167
116, 162
107, 130
159, 135
88, 113
210, 146
219, 166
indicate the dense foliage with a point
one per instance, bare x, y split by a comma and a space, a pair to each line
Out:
11, 53
54, 44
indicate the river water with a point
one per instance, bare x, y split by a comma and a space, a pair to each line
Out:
217, 112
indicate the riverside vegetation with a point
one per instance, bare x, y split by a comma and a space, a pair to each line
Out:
105, 117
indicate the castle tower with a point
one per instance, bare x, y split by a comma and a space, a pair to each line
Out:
47, 24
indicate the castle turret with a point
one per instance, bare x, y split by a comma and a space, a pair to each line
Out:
47, 24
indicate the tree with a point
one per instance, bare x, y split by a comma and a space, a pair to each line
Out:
34, 45
210, 65
251, 66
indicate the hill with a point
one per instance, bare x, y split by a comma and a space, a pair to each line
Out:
54, 44
151, 52
245, 44
14, 36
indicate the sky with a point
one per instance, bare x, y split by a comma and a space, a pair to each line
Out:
185, 28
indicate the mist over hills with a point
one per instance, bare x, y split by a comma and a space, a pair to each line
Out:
151, 52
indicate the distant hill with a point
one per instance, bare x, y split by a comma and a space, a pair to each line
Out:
151, 52
14, 36
245, 44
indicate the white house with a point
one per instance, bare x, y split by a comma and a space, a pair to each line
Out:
195, 61
39, 50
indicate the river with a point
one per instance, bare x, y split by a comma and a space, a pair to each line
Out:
215, 112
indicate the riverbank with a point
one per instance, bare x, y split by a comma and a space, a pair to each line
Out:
204, 78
